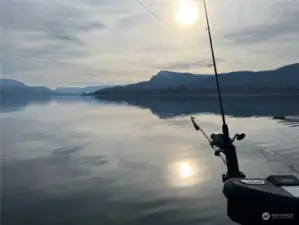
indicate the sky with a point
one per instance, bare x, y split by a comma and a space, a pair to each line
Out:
93, 42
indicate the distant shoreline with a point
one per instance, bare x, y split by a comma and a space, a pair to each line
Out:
187, 95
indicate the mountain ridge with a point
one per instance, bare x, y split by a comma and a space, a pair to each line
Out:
14, 87
283, 80
79, 90
278, 80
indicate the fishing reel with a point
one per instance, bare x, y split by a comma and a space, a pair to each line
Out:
271, 200
218, 140
224, 148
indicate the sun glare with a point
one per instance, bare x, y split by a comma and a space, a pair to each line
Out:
187, 13
186, 170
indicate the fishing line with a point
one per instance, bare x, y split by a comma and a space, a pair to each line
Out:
163, 24
293, 168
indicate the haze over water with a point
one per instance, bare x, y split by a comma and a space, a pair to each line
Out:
134, 161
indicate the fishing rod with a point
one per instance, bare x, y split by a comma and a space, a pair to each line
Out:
222, 141
271, 200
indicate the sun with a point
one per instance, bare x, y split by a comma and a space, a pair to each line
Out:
187, 13
186, 170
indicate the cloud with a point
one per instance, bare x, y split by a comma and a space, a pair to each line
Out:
133, 20
40, 36
283, 25
46, 17
183, 65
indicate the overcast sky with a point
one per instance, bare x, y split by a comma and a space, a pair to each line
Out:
87, 42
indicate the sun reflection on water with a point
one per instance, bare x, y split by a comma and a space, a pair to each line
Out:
185, 173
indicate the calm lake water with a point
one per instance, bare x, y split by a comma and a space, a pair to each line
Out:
135, 161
